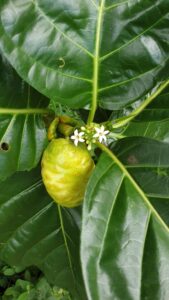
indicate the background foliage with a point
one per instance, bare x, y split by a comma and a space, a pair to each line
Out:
28, 285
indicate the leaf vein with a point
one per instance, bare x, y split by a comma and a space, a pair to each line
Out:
40, 240
94, 3
132, 40
40, 212
128, 80
109, 217
10, 124
142, 255
22, 193
115, 5
20, 145
59, 30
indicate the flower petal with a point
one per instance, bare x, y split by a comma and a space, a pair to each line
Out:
102, 128
76, 142
104, 138
76, 133
100, 138
81, 140
96, 135
81, 133
97, 129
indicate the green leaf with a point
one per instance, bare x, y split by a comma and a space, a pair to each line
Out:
148, 162
22, 129
32, 232
8, 271
124, 249
23, 296
153, 122
84, 51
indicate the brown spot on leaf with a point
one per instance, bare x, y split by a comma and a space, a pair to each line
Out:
132, 160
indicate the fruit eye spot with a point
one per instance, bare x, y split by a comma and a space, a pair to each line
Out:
4, 146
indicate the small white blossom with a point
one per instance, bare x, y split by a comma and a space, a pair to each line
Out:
77, 137
101, 134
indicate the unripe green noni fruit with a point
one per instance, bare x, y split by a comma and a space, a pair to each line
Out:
65, 171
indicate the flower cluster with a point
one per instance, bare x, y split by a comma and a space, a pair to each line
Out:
90, 135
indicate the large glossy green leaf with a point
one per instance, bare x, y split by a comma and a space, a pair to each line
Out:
22, 129
78, 52
148, 162
32, 233
125, 243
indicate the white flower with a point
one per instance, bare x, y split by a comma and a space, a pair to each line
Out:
101, 134
77, 137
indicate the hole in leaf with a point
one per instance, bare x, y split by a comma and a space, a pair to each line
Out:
5, 146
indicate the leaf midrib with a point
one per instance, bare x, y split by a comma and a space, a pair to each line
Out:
65, 242
23, 111
96, 63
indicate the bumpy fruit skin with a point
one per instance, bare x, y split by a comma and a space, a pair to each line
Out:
65, 171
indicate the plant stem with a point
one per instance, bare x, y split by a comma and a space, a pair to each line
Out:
133, 182
138, 110
24, 111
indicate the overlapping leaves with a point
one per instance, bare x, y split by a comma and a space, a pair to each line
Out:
22, 135
124, 241
109, 53
31, 232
